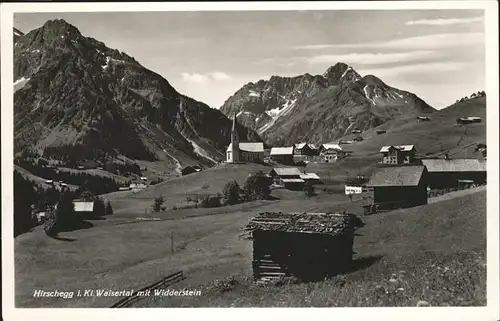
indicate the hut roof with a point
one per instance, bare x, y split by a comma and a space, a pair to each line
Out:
317, 223
397, 176
282, 151
293, 180
287, 171
309, 176
405, 148
81, 206
331, 146
454, 165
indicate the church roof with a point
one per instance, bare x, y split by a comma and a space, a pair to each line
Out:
254, 147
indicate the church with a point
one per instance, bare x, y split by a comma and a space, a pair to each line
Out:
243, 152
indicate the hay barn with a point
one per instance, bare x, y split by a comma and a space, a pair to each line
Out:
309, 246
446, 173
399, 187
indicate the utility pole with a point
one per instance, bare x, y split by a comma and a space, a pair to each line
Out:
172, 242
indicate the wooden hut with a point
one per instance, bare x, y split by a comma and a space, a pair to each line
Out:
309, 246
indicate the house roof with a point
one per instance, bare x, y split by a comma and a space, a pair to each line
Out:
397, 176
317, 223
300, 145
255, 147
454, 165
282, 151
405, 148
83, 206
331, 146
309, 176
293, 180
287, 171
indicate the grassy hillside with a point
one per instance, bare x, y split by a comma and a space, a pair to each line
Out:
434, 253
434, 137
121, 252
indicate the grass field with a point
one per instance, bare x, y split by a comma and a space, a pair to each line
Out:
434, 253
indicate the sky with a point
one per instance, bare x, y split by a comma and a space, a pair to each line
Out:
437, 54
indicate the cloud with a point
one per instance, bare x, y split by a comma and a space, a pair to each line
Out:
219, 75
202, 79
433, 41
420, 68
444, 22
194, 77
370, 58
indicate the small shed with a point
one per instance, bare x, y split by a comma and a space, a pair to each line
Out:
396, 187
309, 246
288, 177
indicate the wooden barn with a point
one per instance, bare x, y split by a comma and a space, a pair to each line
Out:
288, 177
446, 173
309, 246
282, 155
399, 187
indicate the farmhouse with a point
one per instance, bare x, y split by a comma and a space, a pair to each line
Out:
288, 177
305, 149
243, 152
84, 208
282, 155
137, 186
380, 131
309, 246
468, 120
402, 186
446, 173
355, 185
403, 154
423, 118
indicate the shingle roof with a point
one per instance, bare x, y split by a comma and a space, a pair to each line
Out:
331, 146
309, 176
84, 206
397, 176
454, 165
319, 223
282, 151
255, 147
405, 148
293, 180
287, 171
300, 145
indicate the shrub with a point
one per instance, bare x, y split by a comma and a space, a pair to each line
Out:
158, 202
256, 187
211, 201
109, 208
231, 192
50, 225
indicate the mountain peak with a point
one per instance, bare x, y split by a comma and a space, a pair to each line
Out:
373, 81
341, 72
57, 29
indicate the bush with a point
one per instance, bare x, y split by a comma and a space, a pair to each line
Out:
50, 225
256, 187
109, 208
211, 201
231, 193
157, 205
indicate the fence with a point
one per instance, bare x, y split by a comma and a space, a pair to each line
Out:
169, 280
439, 192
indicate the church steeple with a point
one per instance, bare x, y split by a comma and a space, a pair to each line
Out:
235, 142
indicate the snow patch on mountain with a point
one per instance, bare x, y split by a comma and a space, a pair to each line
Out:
253, 94
365, 89
277, 112
20, 83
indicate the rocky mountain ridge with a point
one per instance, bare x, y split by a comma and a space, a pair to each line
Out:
319, 108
